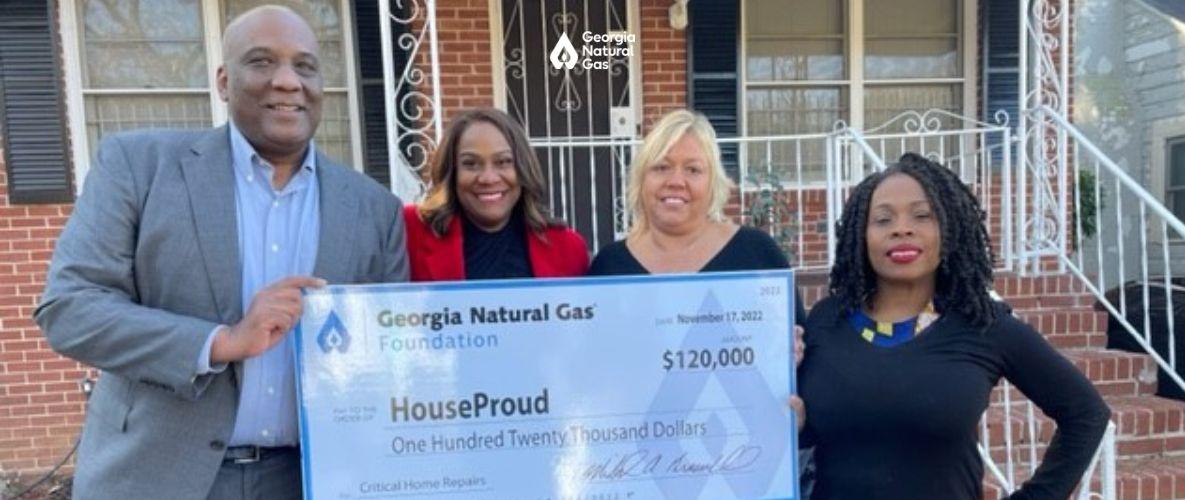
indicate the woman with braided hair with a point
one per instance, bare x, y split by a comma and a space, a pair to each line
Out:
902, 356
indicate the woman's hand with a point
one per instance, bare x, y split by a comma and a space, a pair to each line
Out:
799, 346
799, 408
795, 402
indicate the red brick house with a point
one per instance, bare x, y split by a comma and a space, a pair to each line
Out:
774, 76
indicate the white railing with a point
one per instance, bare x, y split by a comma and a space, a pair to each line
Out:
1045, 67
585, 175
412, 91
1020, 459
1051, 223
1120, 231
781, 181
844, 156
793, 186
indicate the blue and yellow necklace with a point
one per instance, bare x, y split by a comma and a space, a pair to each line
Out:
886, 334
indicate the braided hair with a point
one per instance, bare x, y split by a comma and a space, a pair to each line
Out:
964, 272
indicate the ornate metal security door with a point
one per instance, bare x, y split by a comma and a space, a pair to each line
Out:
575, 101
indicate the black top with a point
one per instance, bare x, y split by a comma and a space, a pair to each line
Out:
748, 250
902, 422
498, 255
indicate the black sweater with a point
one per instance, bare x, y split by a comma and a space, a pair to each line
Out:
901, 422
748, 250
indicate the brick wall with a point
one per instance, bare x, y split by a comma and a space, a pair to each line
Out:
463, 30
41, 407
664, 63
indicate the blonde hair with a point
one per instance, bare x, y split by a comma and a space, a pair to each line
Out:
669, 130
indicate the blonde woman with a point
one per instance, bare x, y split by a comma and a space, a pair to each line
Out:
676, 194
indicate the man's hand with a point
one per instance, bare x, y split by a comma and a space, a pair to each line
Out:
273, 312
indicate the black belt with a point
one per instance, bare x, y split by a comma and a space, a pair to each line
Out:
250, 454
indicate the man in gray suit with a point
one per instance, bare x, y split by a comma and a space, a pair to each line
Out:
179, 276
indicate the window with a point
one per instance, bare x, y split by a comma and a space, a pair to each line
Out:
794, 66
151, 63
1175, 178
860, 61
796, 82
911, 58
143, 65
1166, 172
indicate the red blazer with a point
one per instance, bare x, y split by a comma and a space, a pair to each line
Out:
434, 258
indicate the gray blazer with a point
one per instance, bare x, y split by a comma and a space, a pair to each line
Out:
146, 266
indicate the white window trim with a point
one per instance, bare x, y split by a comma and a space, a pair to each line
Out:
970, 42
75, 109
352, 95
497, 59
69, 22
211, 16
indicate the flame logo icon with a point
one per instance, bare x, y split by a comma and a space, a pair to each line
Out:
333, 335
564, 55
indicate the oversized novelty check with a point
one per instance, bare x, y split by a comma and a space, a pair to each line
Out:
669, 387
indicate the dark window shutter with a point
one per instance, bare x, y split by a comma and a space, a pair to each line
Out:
370, 71
1001, 68
1001, 72
31, 117
713, 81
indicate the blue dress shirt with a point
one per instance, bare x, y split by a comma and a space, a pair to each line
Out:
278, 235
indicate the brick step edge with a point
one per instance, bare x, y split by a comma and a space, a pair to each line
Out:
1113, 373
1136, 479
1145, 425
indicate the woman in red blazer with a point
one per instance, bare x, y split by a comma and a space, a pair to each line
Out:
484, 217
